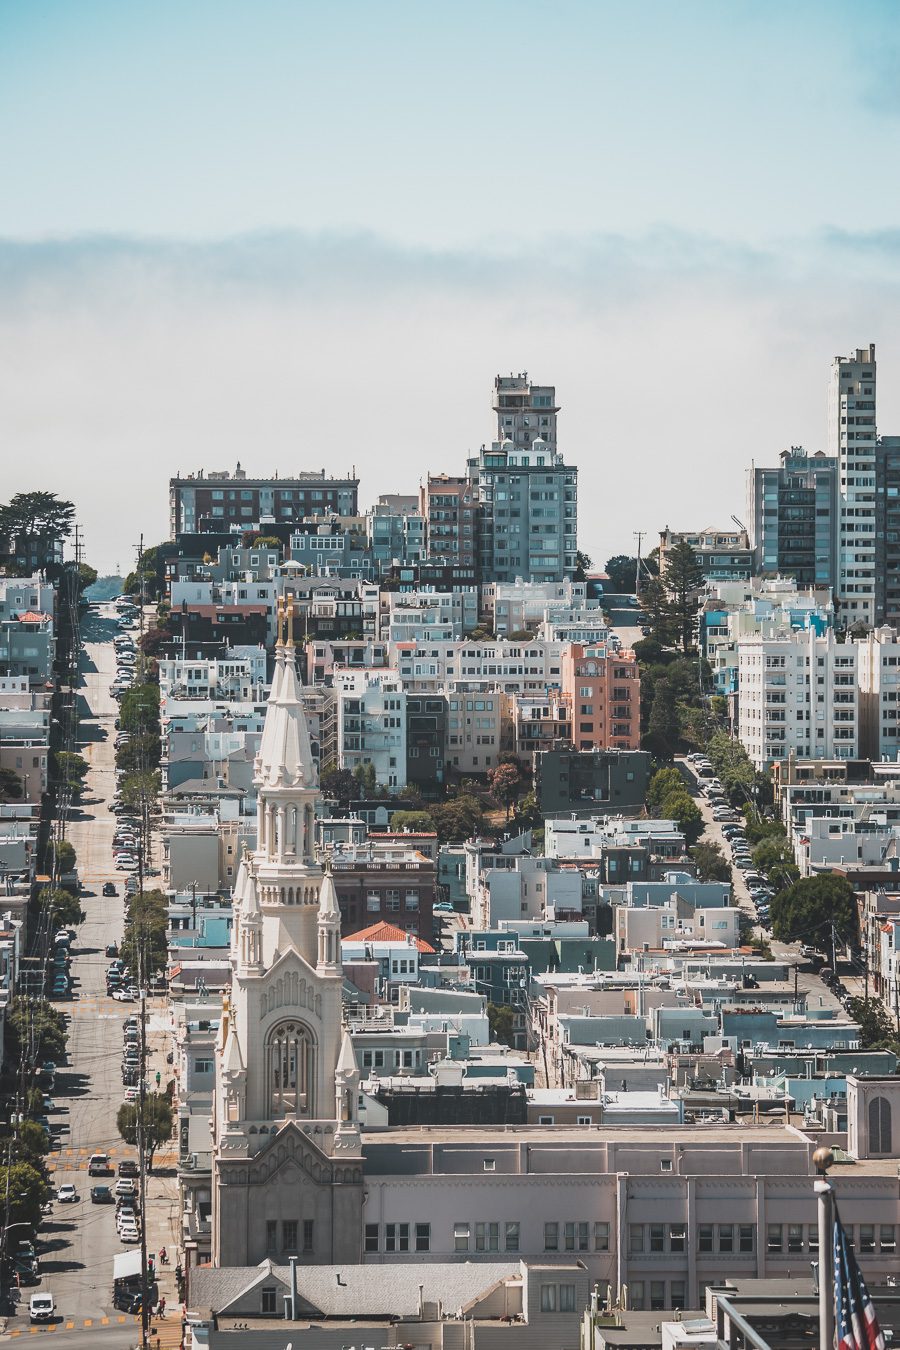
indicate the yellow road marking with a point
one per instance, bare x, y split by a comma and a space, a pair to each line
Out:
104, 1321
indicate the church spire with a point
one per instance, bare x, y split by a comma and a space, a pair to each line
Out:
329, 962
285, 754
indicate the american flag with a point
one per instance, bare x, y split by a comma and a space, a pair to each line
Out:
854, 1312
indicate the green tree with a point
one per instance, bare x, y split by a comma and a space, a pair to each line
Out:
267, 541
459, 818
502, 1023
156, 1117
71, 770
141, 789
87, 576
11, 786
339, 783
140, 753
773, 853
366, 778
27, 1190
411, 820
621, 571
37, 522
506, 784
63, 856
35, 1029
144, 945
64, 908
712, 865
683, 578
807, 909
30, 1142
663, 727
876, 1030
663, 783
658, 607
686, 813
139, 709
153, 641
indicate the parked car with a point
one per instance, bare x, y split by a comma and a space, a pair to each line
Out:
128, 1168
125, 1186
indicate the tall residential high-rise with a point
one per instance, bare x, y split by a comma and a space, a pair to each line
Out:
450, 508
793, 517
525, 412
887, 531
852, 440
529, 512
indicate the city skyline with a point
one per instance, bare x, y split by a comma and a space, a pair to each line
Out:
204, 277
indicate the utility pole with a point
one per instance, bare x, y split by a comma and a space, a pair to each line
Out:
638, 534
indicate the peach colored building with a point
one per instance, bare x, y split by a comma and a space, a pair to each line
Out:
603, 689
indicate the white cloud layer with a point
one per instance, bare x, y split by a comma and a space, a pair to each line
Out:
677, 360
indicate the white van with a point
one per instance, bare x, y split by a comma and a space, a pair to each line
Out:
41, 1308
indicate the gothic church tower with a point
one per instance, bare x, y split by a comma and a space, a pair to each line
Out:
287, 1159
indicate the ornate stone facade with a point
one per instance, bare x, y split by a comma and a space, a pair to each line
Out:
287, 1168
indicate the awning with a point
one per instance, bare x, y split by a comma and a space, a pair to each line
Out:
126, 1265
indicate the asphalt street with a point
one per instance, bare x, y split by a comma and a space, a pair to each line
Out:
79, 1241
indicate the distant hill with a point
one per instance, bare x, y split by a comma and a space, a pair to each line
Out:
104, 588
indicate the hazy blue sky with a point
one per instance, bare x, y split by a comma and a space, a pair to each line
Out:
302, 234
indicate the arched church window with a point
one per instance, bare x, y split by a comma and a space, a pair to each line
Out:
880, 1125
290, 1070
292, 834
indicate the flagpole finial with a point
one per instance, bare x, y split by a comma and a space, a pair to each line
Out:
823, 1158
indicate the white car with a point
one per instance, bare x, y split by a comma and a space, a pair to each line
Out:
67, 1195
129, 1235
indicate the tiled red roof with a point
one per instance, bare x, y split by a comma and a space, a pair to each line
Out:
387, 932
33, 616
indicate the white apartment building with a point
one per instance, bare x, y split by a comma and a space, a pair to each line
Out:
799, 693
879, 695
427, 615
241, 676
514, 605
851, 438
519, 667
371, 723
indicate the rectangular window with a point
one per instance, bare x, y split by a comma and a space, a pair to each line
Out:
289, 1235
795, 1237
677, 1237
511, 1237
271, 1235
396, 1237
460, 1237
888, 1240
636, 1294
657, 1295
866, 1238
705, 1237
551, 1237
601, 1237
567, 1298
745, 1237
636, 1237
678, 1298
548, 1298
774, 1238
371, 1237
307, 1235
726, 1237
576, 1237
267, 1300
812, 1238
423, 1237
487, 1237
657, 1237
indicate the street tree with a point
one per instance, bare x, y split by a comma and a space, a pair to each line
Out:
663, 783
11, 786
38, 522
583, 564
711, 863
807, 910
26, 1191
412, 820
506, 783
683, 578
156, 1118
681, 808
501, 1022
658, 608
62, 906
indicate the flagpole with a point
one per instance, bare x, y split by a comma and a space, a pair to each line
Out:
823, 1158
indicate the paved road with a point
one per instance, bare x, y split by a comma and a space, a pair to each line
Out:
80, 1240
